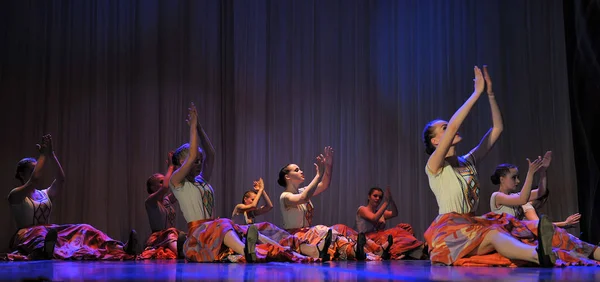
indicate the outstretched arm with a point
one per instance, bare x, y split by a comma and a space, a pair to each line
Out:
523, 197
541, 190
164, 187
326, 159
240, 208
304, 197
436, 160
17, 195
179, 175
490, 138
209, 150
266, 208
393, 211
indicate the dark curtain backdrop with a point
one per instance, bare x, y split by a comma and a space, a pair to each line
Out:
275, 82
582, 22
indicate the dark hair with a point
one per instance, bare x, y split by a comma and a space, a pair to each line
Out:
428, 134
501, 170
150, 182
282, 173
372, 190
375, 189
247, 194
22, 166
182, 152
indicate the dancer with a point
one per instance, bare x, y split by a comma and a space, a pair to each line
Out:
456, 237
396, 242
31, 207
297, 210
210, 239
166, 241
249, 208
570, 249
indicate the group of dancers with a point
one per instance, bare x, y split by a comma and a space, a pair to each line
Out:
510, 235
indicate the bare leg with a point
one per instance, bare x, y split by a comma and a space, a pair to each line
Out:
310, 250
173, 247
596, 254
507, 246
232, 241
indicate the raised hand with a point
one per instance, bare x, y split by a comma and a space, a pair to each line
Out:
572, 219
387, 196
259, 185
192, 118
479, 83
535, 165
169, 159
46, 145
328, 158
488, 81
547, 159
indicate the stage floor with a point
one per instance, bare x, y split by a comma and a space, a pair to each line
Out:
354, 271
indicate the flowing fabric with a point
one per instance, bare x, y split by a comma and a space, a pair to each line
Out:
74, 241
205, 243
452, 237
157, 245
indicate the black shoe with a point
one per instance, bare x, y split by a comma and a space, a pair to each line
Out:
180, 241
131, 246
386, 252
50, 243
546, 256
250, 246
360, 247
323, 254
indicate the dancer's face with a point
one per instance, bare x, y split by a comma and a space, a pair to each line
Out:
249, 198
511, 180
295, 176
375, 198
440, 130
157, 182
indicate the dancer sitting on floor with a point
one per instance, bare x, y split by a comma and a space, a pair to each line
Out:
166, 241
507, 199
297, 211
211, 239
456, 236
31, 207
245, 212
393, 243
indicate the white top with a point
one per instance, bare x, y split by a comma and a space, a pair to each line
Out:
456, 190
363, 225
161, 214
295, 216
196, 200
512, 210
30, 212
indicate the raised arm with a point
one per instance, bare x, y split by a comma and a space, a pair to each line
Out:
209, 150
304, 197
541, 190
436, 160
17, 195
164, 187
59, 179
180, 174
259, 188
490, 138
523, 197
374, 217
326, 159
393, 210
266, 208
